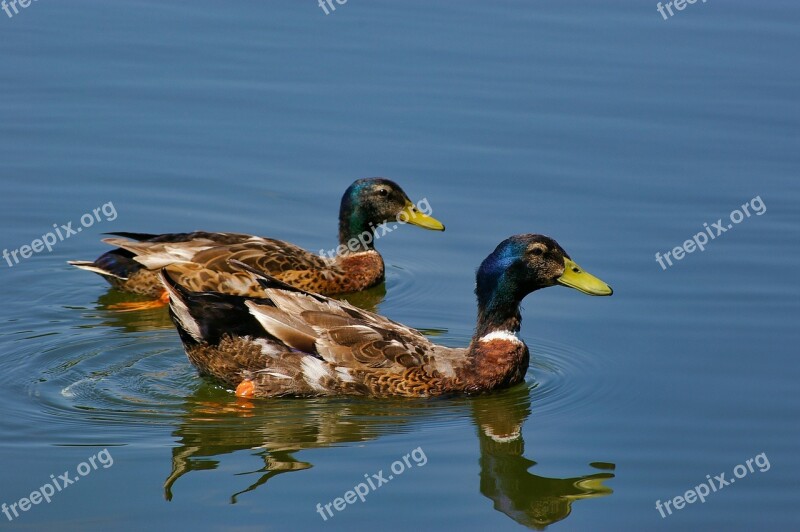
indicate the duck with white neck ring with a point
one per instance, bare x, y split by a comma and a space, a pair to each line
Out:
296, 343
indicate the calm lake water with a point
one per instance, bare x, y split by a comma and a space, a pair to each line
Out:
601, 124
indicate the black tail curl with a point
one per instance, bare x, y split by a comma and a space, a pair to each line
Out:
212, 314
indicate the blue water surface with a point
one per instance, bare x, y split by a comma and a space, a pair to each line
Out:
601, 124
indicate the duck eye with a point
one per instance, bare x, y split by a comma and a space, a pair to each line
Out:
383, 191
537, 251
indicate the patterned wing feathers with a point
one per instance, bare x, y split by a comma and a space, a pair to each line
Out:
286, 328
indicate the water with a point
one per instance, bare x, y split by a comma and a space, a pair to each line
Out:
600, 124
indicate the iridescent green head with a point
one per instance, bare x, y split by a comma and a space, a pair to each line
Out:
517, 267
368, 203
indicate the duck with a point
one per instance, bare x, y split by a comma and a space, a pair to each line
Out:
296, 343
199, 260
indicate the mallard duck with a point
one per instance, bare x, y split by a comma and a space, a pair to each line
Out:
295, 343
199, 260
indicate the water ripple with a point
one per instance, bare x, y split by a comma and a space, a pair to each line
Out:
88, 369
563, 378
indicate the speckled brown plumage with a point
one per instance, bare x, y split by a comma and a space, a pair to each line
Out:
200, 260
293, 343
210, 271
237, 359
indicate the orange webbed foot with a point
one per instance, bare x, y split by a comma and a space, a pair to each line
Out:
246, 389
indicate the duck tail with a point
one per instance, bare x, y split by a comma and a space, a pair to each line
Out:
220, 337
115, 265
205, 317
141, 237
93, 267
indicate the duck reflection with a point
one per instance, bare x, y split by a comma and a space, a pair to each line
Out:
216, 424
144, 320
528, 499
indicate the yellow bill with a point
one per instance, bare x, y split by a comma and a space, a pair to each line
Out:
576, 278
410, 214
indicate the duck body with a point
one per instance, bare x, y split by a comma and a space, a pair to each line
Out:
295, 343
200, 260
292, 343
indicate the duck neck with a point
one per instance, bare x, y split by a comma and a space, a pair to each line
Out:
498, 308
356, 233
492, 320
498, 357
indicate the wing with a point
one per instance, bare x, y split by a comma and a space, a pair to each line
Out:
213, 250
198, 278
341, 334
264, 254
155, 255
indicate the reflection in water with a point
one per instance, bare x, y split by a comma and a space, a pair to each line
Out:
368, 299
145, 320
528, 499
213, 426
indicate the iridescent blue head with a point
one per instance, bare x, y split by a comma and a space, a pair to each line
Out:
368, 203
517, 267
